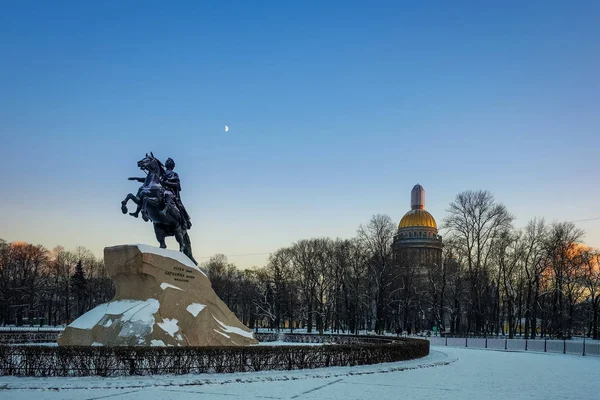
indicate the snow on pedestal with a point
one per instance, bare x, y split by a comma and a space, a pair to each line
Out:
162, 299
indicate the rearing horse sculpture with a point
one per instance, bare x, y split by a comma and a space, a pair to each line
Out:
152, 202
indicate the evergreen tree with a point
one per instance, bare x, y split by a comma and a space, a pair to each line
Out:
79, 285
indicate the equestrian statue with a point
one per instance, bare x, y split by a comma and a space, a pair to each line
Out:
159, 201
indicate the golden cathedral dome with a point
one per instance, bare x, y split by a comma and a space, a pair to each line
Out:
417, 217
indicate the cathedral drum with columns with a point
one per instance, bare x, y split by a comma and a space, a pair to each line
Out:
417, 243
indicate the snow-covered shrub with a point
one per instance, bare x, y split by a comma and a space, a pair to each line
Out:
119, 361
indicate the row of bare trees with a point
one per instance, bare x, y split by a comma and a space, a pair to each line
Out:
40, 286
319, 284
537, 280
493, 279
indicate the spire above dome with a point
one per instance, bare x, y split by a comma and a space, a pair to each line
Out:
417, 216
417, 197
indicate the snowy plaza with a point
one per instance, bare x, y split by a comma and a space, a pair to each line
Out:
447, 373
300, 200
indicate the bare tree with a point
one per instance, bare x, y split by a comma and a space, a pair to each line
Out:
21, 268
281, 274
533, 259
222, 275
265, 301
561, 242
355, 284
377, 237
454, 289
306, 255
476, 221
508, 256
591, 281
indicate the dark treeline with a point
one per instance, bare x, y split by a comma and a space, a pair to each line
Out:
49, 287
539, 280
494, 279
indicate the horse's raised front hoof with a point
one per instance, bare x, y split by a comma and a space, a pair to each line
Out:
124, 208
145, 217
134, 214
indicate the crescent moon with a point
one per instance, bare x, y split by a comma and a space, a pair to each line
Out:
226, 128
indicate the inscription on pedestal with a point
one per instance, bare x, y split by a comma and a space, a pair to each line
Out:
179, 274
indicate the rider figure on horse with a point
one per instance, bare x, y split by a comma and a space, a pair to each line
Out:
158, 200
172, 186
170, 181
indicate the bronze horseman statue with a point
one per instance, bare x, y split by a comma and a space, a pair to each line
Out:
158, 200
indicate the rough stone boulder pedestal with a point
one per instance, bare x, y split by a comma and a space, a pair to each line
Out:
162, 299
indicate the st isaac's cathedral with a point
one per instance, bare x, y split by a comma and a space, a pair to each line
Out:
417, 244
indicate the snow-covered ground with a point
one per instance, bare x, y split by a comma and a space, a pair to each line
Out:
447, 373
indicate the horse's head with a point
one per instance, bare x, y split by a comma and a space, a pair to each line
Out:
150, 164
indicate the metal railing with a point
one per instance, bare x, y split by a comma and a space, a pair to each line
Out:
32, 328
582, 348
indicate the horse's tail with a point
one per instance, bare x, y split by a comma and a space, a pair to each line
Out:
188, 246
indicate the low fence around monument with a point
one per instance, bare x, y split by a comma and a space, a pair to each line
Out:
21, 337
337, 350
582, 348
322, 338
27, 328
51, 336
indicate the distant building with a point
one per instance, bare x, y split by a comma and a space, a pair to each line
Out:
417, 244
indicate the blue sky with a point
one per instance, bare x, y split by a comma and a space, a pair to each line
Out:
335, 111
